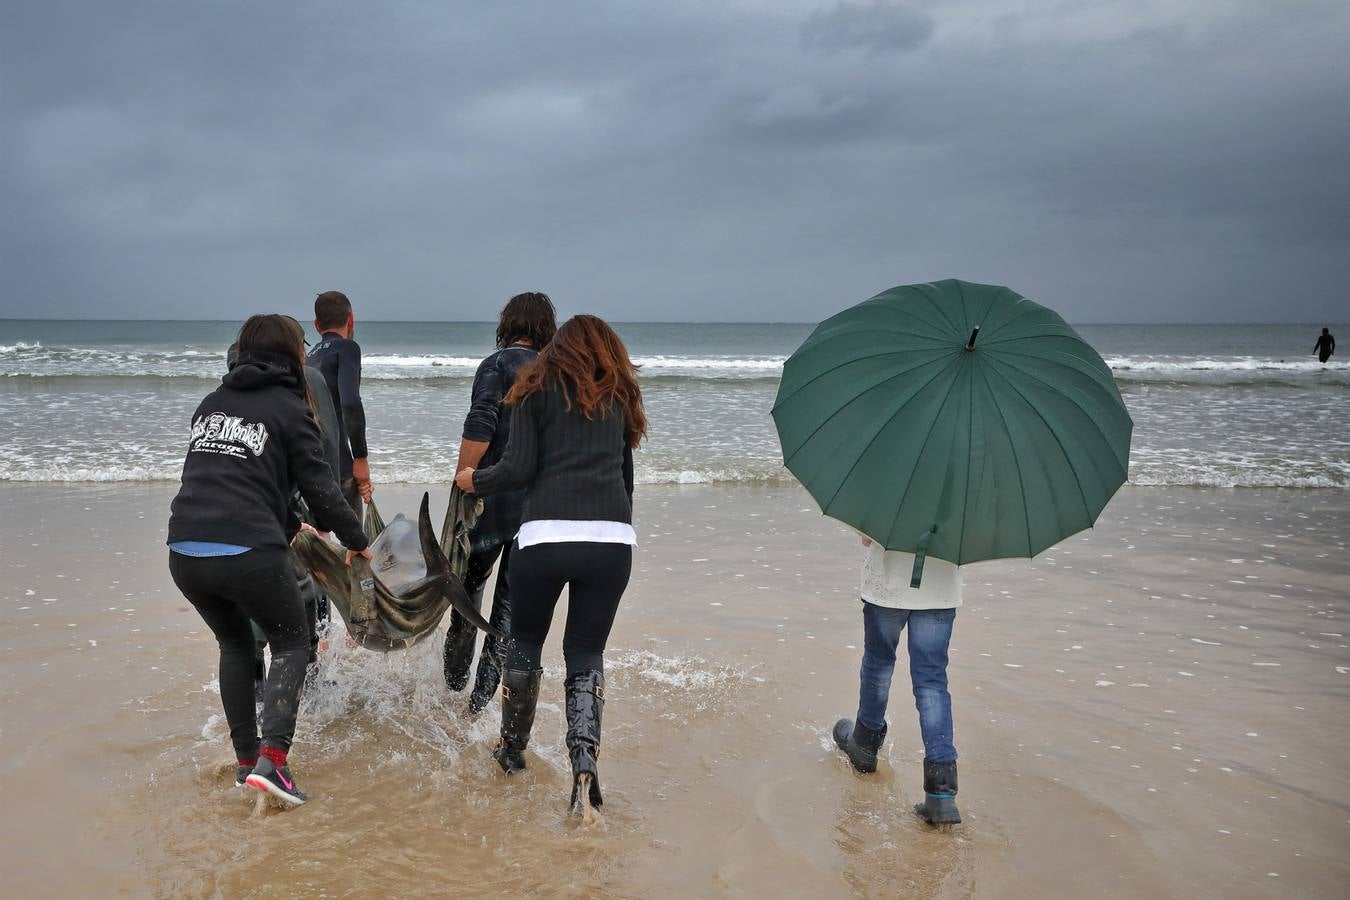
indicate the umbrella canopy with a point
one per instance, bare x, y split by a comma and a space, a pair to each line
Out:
954, 419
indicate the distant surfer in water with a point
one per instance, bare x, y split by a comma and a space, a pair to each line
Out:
1325, 346
526, 324
576, 417
252, 441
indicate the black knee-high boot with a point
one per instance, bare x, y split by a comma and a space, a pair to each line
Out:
520, 694
585, 703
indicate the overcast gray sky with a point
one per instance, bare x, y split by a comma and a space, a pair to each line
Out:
1118, 160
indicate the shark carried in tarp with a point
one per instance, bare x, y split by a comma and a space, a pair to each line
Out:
377, 616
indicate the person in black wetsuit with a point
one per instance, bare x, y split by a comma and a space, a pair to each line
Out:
338, 357
253, 440
1325, 346
526, 324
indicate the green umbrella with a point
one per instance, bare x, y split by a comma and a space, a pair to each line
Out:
953, 419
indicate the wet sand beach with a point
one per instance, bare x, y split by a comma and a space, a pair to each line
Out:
1159, 707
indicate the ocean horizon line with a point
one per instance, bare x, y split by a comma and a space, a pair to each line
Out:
1310, 324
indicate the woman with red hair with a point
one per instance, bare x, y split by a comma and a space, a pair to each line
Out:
576, 418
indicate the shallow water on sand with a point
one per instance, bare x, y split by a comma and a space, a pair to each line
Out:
1156, 708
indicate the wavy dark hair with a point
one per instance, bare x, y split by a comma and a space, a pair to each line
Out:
527, 317
280, 336
591, 365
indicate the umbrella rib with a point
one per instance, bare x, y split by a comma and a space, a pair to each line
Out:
859, 359
1031, 307
1078, 479
1091, 414
906, 318
926, 438
1088, 361
940, 311
1017, 463
984, 317
970, 425
848, 362
873, 387
1034, 377
878, 430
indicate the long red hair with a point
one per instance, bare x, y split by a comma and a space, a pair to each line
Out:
591, 365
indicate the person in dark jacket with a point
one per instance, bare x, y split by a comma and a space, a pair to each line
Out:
1325, 346
316, 603
527, 323
576, 418
252, 441
338, 357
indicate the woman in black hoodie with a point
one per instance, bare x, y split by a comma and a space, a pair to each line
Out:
253, 441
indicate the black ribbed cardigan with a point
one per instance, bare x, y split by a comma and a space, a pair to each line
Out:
571, 467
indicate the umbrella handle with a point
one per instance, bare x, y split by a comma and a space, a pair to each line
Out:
970, 344
921, 554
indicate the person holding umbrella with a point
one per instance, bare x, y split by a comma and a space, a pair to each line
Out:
928, 613
950, 420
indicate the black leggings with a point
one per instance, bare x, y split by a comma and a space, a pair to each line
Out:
228, 591
595, 575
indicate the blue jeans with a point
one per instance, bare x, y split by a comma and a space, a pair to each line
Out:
930, 633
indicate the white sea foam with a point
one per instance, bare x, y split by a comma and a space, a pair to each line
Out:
418, 466
760, 364
417, 470
647, 362
404, 693
1218, 364
25, 359
116, 413
32, 358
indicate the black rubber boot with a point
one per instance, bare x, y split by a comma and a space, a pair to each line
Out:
520, 694
585, 703
492, 658
860, 743
939, 790
459, 641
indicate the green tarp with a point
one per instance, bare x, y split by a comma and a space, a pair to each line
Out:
379, 619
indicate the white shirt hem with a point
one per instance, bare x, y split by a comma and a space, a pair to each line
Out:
562, 531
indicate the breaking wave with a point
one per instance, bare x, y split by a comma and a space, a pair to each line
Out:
33, 360
1158, 473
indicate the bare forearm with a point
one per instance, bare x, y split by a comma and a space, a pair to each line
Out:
470, 454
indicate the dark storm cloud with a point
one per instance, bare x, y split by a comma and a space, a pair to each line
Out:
730, 160
876, 26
